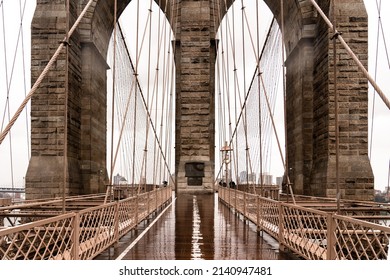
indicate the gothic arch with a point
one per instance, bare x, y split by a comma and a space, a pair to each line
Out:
310, 129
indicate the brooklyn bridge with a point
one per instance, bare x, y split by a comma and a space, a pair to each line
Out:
153, 128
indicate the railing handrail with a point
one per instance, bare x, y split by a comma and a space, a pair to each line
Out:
326, 237
102, 233
22, 227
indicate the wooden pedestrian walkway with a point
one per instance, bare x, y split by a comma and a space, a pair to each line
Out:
197, 227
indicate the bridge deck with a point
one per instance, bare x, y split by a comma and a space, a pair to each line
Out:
197, 227
193, 227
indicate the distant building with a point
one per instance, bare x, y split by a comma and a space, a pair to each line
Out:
252, 177
244, 177
119, 180
279, 181
267, 179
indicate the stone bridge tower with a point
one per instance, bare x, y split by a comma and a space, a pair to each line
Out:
310, 113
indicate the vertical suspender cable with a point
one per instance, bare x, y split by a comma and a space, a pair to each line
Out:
226, 132
7, 106
145, 159
109, 187
388, 186
286, 166
336, 102
273, 124
21, 11
237, 93
135, 98
259, 96
376, 71
113, 93
244, 86
379, 8
168, 146
160, 36
231, 102
165, 81
66, 97
227, 92
6, 67
143, 100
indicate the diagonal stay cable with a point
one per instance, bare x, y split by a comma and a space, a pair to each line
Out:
354, 57
380, 24
146, 106
235, 131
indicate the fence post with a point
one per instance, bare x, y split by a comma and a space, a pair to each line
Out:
116, 222
148, 212
76, 236
226, 197
136, 209
281, 236
157, 202
258, 212
235, 199
331, 238
244, 210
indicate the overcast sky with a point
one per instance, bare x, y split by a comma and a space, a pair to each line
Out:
10, 22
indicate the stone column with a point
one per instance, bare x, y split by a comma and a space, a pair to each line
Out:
195, 62
44, 178
356, 178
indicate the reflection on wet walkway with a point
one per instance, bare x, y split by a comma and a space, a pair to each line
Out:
199, 227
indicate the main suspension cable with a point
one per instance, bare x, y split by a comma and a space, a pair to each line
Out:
44, 73
353, 56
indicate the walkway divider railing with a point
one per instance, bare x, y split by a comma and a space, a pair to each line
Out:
310, 233
80, 235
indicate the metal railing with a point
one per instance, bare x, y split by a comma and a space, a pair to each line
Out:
312, 234
80, 235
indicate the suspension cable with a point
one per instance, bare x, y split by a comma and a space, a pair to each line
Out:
7, 105
375, 77
379, 7
147, 108
380, 30
247, 155
135, 96
21, 12
43, 74
6, 109
260, 109
352, 54
113, 95
66, 98
234, 133
285, 163
336, 103
155, 91
145, 157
